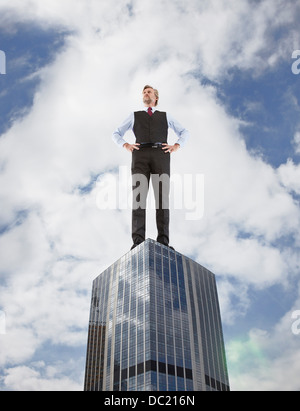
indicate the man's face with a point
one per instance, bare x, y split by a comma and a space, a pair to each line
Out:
149, 98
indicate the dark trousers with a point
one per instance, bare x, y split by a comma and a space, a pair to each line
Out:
147, 162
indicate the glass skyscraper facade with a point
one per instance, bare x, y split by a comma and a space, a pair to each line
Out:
155, 325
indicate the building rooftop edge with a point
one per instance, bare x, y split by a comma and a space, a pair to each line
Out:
150, 240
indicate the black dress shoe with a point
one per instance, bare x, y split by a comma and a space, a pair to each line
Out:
167, 245
135, 245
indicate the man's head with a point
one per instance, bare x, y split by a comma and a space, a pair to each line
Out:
150, 96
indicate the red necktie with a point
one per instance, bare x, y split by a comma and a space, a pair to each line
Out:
150, 111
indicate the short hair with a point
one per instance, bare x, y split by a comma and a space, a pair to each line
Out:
155, 92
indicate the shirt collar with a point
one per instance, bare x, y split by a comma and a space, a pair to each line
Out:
153, 109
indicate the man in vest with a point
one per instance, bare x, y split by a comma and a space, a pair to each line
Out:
150, 156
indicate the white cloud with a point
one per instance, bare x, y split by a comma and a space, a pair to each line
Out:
232, 294
49, 259
296, 142
289, 175
39, 377
266, 360
202, 33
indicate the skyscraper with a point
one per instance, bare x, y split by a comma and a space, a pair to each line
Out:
155, 325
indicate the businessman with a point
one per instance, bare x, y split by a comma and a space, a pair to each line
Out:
150, 156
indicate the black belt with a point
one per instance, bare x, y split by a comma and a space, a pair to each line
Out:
151, 145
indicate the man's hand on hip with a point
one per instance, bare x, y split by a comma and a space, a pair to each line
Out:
171, 149
131, 147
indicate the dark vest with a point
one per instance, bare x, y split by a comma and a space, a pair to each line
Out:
150, 129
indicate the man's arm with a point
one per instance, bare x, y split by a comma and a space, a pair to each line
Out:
181, 132
118, 134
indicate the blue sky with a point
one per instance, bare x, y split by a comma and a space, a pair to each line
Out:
273, 118
27, 49
73, 74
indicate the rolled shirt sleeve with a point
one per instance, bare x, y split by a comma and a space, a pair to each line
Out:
118, 134
181, 132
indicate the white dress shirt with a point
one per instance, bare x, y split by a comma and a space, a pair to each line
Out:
128, 124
